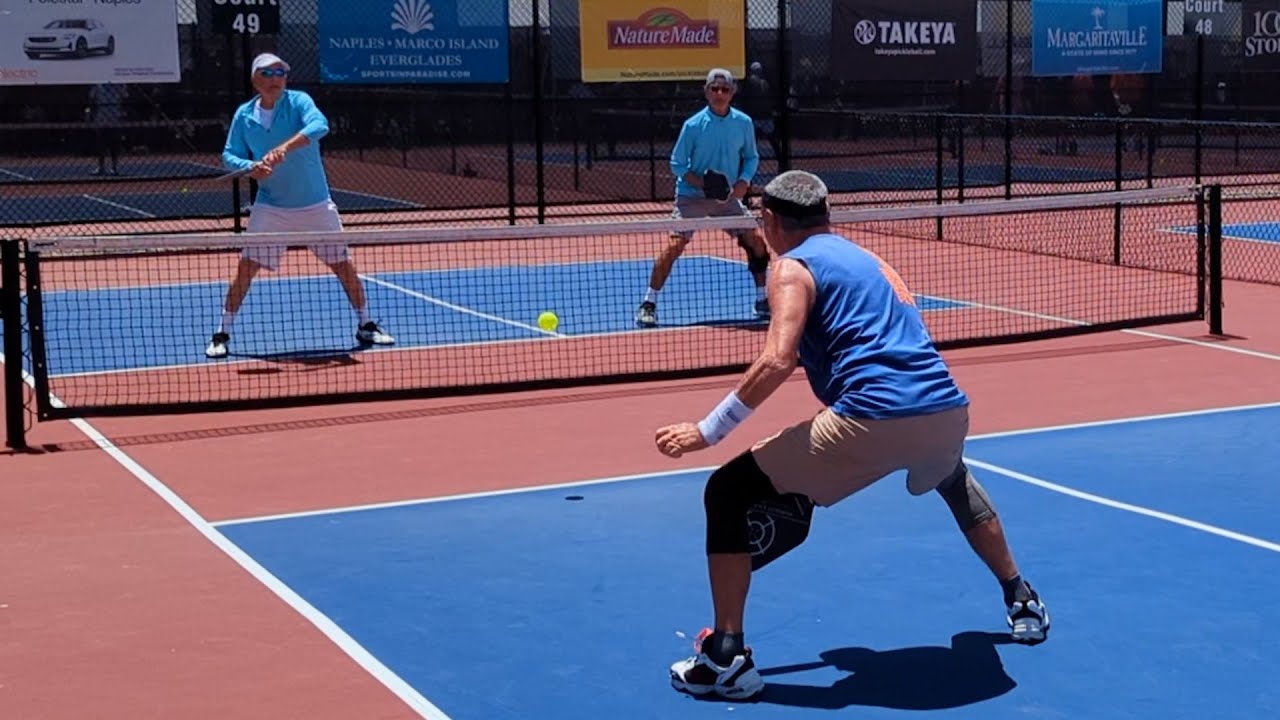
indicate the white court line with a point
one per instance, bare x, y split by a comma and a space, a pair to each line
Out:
11, 173
1225, 236
1127, 507
380, 672
1127, 331
403, 205
119, 206
710, 468
458, 308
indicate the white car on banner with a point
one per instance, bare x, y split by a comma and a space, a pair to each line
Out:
89, 42
70, 36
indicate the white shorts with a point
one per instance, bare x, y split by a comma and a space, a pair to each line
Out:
322, 217
696, 207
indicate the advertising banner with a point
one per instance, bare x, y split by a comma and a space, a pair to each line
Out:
895, 40
1261, 35
413, 41
88, 42
1092, 37
639, 40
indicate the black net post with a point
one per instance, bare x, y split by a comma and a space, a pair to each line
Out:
11, 310
36, 335
1215, 260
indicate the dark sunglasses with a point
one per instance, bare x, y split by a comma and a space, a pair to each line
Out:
720, 89
273, 72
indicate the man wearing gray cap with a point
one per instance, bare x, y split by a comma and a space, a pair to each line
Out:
713, 161
276, 134
889, 403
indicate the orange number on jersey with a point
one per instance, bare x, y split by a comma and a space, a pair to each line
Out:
895, 280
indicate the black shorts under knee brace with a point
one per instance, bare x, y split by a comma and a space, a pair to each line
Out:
731, 491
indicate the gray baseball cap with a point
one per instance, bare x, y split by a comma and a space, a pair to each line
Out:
720, 76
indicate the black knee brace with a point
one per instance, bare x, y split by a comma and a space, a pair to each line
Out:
731, 491
756, 264
966, 499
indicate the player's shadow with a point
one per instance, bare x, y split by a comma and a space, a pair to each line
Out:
914, 678
305, 359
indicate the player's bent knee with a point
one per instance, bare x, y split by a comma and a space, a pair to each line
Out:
966, 498
730, 492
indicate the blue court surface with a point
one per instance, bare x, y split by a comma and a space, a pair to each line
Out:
1264, 231
284, 316
82, 168
106, 206
571, 602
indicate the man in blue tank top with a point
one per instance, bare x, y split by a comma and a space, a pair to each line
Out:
890, 404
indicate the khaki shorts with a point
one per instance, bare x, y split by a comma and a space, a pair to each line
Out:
830, 457
316, 218
693, 208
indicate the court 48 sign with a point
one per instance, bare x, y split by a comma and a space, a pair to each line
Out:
246, 17
1261, 35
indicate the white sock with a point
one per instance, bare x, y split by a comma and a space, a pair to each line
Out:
651, 295
362, 315
228, 318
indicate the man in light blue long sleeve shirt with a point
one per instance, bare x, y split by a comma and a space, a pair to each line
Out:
717, 143
282, 130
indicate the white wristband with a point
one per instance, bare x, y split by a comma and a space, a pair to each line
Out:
723, 419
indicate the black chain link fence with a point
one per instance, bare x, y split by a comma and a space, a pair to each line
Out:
546, 145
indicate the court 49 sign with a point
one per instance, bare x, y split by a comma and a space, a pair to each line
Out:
246, 17
1261, 35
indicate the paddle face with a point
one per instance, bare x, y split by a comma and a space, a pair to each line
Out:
778, 526
715, 185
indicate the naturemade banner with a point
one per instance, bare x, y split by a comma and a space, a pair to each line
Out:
1096, 37
413, 41
635, 41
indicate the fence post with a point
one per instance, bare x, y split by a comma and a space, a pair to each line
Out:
538, 124
1199, 102
1215, 260
1008, 99
509, 100
783, 126
11, 311
939, 174
1117, 250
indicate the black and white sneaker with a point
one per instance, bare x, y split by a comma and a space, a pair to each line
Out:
647, 315
217, 346
1029, 619
370, 334
698, 675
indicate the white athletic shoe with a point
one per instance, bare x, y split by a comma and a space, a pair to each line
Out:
370, 334
697, 675
217, 346
1029, 619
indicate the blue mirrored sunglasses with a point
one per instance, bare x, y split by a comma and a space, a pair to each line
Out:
273, 72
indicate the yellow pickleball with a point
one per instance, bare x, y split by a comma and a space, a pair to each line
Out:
548, 321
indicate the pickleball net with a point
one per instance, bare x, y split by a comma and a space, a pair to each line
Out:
119, 325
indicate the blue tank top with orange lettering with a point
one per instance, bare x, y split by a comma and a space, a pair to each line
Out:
865, 347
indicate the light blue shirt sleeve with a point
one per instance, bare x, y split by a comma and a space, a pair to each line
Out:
236, 152
682, 153
750, 155
314, 124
